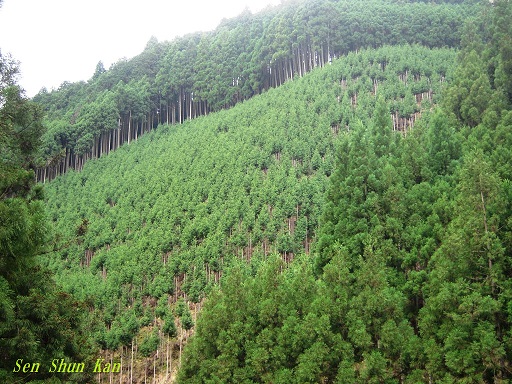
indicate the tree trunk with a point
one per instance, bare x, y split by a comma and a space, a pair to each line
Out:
129, 126
180, 106
190, 99
118, 132
131, 366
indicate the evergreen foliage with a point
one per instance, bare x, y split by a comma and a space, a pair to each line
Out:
201, 73
352, 225
411, 278
38, 322
238, 184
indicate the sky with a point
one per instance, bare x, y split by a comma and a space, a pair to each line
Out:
63, 40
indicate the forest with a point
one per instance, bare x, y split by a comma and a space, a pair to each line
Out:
171, 82
316, 193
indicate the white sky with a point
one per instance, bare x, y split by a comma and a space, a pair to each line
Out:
63, 40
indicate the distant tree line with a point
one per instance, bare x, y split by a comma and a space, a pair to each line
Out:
170, 82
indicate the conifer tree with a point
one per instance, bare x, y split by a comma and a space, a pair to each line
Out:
37, 321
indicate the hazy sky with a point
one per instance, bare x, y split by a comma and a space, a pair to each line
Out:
63, 40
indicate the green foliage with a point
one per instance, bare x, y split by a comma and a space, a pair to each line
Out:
244, 56
186, 320
149, 344
20, 135
411, 281
38, 322
162, 217
409, 278
169, 327
183, 312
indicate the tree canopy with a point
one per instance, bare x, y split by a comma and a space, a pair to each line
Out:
201, 73
342, 213
37, 320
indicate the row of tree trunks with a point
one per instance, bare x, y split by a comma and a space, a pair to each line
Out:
303, 60
86, 260
404, 124
127, 131
185, 108
127, 366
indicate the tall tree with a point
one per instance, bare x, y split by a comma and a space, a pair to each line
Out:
37, 322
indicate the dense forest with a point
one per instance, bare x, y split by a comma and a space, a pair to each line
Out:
243, 183
38, 320
171, 82
411, 276
319, 192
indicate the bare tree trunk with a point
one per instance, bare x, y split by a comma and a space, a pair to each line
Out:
111, 365
118, 132
167, 359
129, 126
181, 343
180, 105
131, 366
190, 100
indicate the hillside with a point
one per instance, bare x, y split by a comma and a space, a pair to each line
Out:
164, 216
410, 281
319, 192
205, 72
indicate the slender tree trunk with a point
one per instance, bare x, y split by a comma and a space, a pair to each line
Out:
115, 142
129, 126
190, 106
131, 366
181, 344
180, 105
111, 364
310, 53
68, 155
167, 359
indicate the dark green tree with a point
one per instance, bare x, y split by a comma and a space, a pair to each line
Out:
37, 321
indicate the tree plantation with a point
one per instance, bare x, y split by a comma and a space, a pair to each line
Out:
171, 82
316, 193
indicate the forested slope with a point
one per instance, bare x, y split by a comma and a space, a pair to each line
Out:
335, 205
411, 276
161, 218
204, 72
